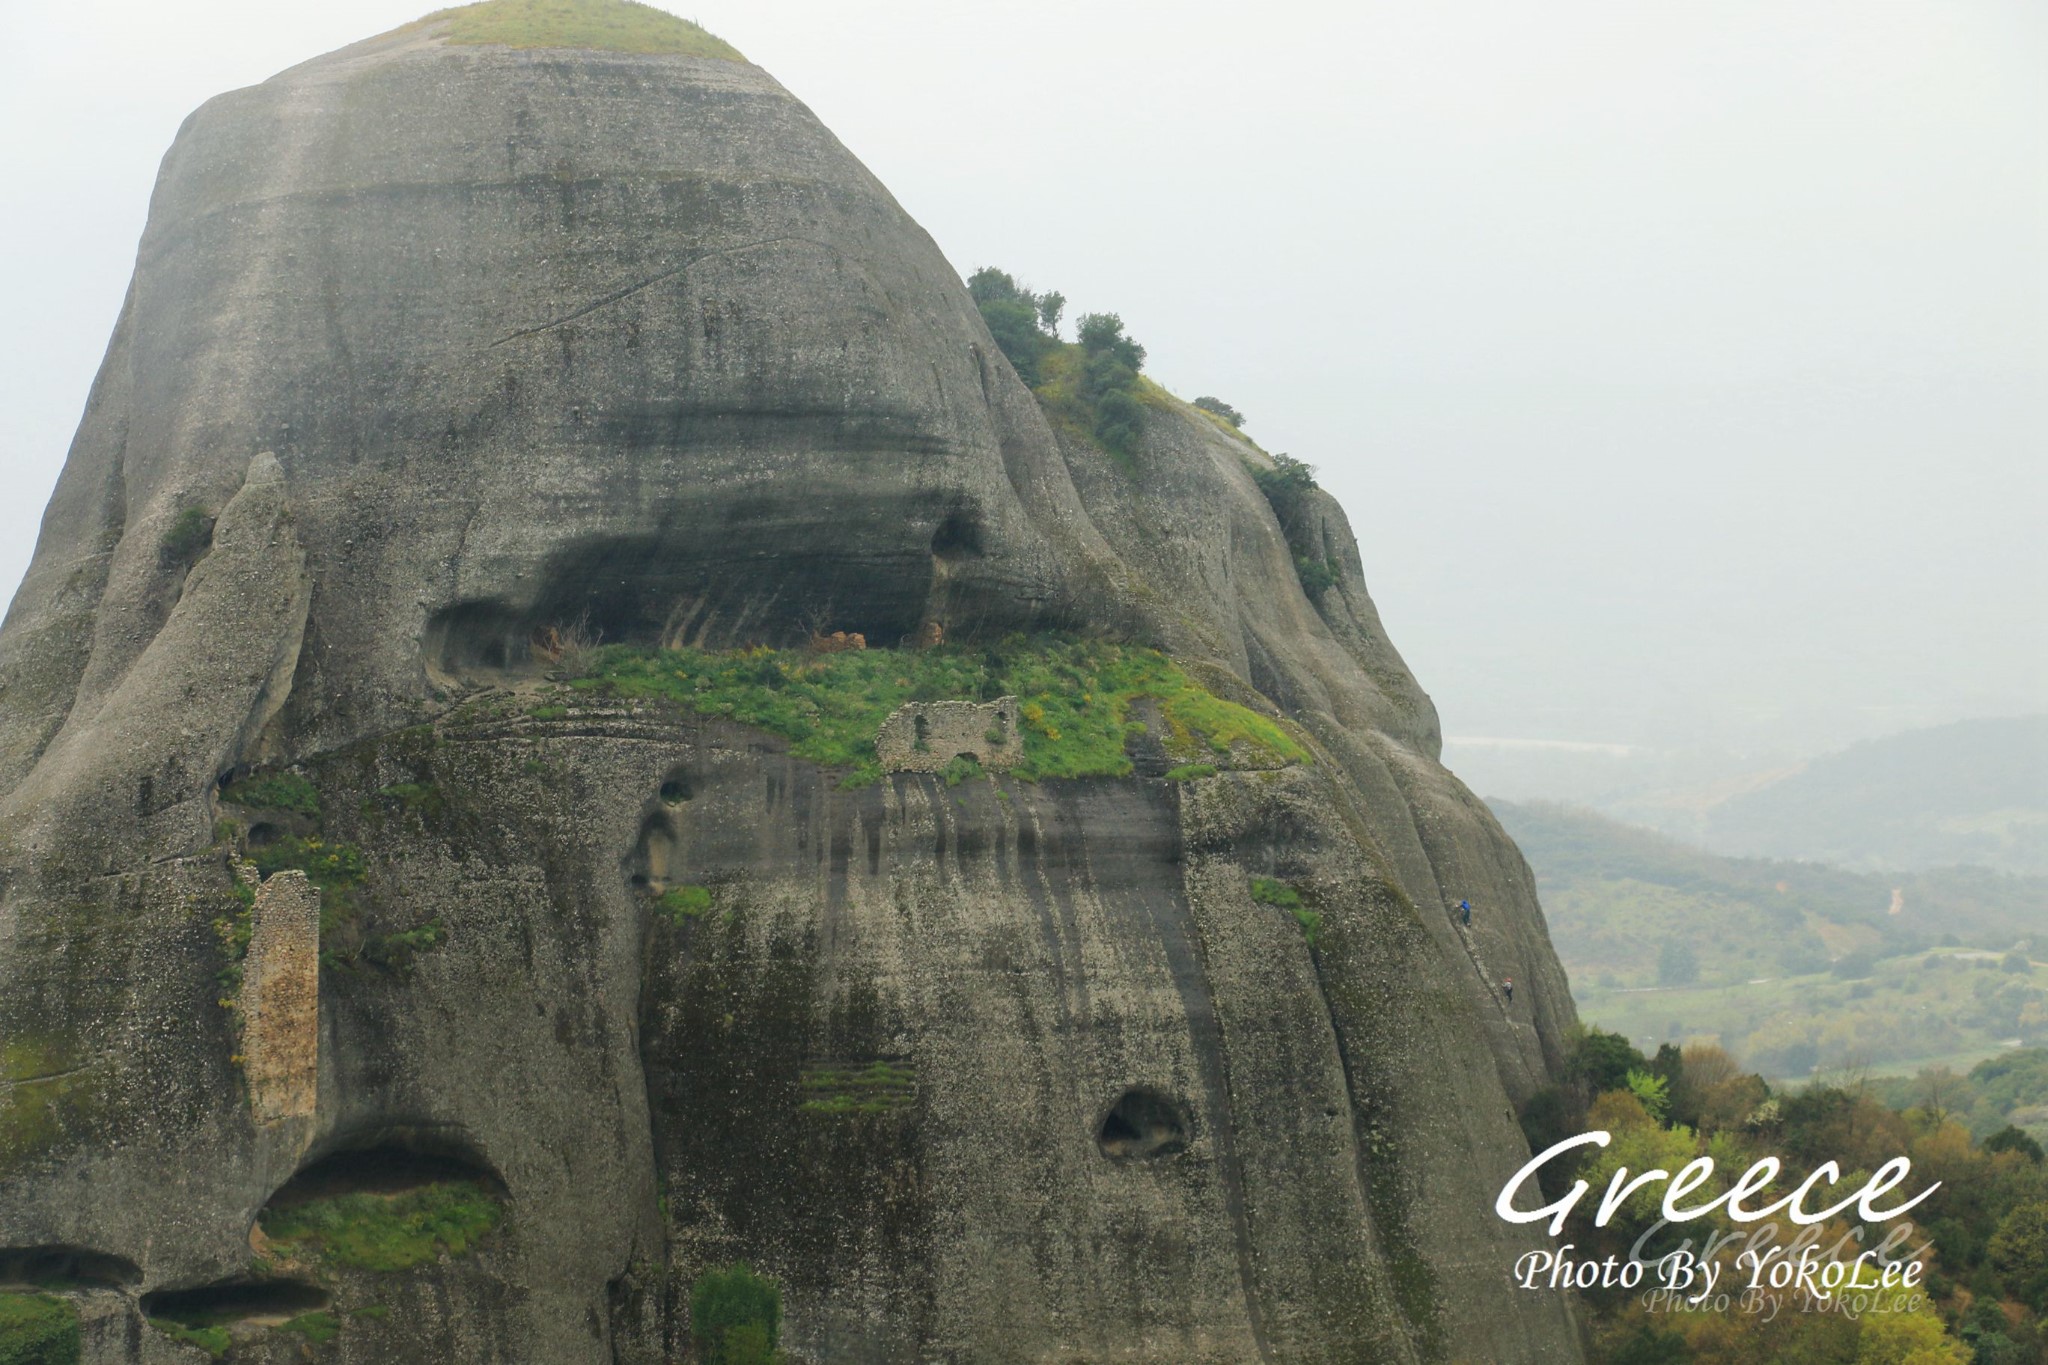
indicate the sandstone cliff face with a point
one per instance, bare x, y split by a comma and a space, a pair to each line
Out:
460, 346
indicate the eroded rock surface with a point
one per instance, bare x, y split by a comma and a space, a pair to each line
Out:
473, 357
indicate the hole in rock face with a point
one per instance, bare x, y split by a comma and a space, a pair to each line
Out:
263, 834
958, 537
676, 790
53, 1267
761, 574
210, 1305
1142, 1123
398, 1162
654, 854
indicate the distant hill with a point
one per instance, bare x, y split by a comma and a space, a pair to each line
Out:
1617, 898
1974, 792
1792, 965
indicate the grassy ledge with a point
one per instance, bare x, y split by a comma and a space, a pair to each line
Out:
387, 1232
1074, 698
593, 25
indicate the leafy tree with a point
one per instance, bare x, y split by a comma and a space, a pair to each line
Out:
1109, 380
2011, 1139
735, 1316
1317, 576
1022, 323
1286, 486
1652, 1091
2019, 1252
1603, 1060
1208, 403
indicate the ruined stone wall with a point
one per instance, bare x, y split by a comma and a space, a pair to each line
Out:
280, 999
924, 736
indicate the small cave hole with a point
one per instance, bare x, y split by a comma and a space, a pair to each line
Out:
263, 1301
1142, 1123
65, 1267
676, 790
263, 834
958, 537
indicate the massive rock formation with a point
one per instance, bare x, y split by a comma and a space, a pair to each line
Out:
460, 348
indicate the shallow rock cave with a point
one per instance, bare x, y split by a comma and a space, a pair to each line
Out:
1142, 1123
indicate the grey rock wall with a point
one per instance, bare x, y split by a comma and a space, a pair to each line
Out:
462, 348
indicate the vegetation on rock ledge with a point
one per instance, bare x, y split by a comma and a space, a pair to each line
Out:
387, 1231
38, 1329
592, 25
1074, 700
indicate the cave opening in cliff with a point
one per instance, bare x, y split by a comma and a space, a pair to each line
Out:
958, 537
1142, 1123
667, 590
389, 1162
65, 1267
271, 1301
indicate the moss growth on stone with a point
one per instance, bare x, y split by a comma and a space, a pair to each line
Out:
315, 1327
215, 1341
592, 25
189, 535
837, 1091
396, 951
1189, 772
45, 1093
681, 903
422, 799
387, 1232
1074, 700
38, 1329
274, 791
1268, 891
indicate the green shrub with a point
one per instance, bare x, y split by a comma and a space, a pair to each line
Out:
735, 1316
38, 1329
961, 768
1286, 485
274, 791
422, 798
397, 950
1317, 576
592, 25
1217, 407
189, 535
680, 903
387, 1231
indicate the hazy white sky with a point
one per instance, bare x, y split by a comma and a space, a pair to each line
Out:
1683, 368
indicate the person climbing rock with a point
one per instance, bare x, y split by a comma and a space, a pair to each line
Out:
1507, 988
1465, 912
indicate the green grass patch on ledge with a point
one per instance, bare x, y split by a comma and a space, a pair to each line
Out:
593, 25
1268, 891
387, 1231
681, 903
1074, 700
38, 1329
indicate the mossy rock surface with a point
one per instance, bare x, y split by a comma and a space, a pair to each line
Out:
591, 25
